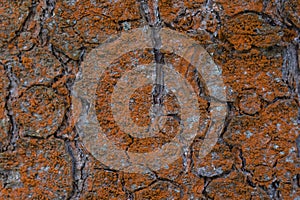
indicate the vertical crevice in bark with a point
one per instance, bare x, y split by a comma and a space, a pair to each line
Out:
291, 72
12, 94
79, 160
150, 12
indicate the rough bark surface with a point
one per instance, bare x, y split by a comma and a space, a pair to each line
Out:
254, 42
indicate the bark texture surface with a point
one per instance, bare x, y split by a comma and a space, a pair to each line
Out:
254, 42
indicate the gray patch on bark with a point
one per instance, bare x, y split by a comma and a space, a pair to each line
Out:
291, 72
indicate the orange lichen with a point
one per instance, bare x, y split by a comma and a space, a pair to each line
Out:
42, 44
12, 16
37, 169
39, 112
230, 8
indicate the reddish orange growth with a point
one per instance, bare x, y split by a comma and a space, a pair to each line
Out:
40, 112
37, 169
103, 184
256, 156
89, 23
230, 8
38, 66
234, 186
249, 30
12, 15
159, 190
292, 12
